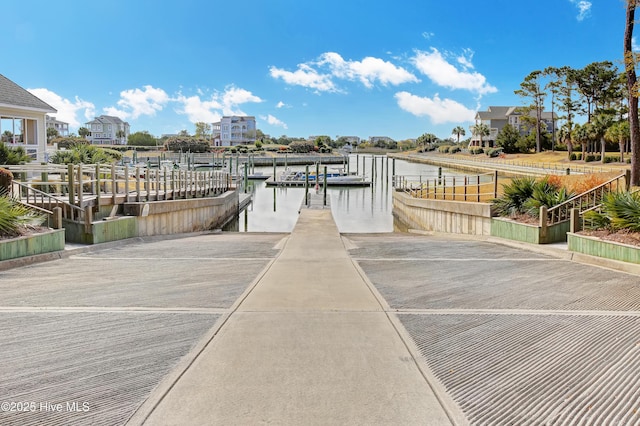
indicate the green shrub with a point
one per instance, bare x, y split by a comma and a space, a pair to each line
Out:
15, 155
15, 216
187, 144
86, 154
573, 157
514, 195
547, 194
476, 151
610, 159
620, 211
443, 149
494, 152
454, 150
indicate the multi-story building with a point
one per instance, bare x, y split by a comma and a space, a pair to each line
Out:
234, 130
60, 126
23, 119
107, 130
496, 117
374, 139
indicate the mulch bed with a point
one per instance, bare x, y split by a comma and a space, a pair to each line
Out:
623, 237
25, 231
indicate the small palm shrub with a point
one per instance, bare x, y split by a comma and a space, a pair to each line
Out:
15, 217
525, 195
547, 193
514, 195
620, 211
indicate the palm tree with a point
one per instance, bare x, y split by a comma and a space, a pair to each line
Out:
582, 134
564, 135
480, 130
599, 126
619, 132
458, 131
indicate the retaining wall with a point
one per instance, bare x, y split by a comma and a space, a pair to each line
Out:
455, 217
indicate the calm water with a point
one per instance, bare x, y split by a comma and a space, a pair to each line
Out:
355, 209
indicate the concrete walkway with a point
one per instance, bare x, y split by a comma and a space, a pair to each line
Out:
309, 343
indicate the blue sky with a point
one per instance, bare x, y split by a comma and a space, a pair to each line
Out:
333, 67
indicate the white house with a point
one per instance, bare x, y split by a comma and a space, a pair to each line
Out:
105, 130
23, 119
60, 126
234, 130
496, 117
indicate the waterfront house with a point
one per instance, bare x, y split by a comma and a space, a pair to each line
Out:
107, 130
23, 119
234, 130
60, 126
496, 117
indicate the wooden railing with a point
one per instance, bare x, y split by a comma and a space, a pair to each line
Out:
90, 185
587, 200
477, 188
45, 203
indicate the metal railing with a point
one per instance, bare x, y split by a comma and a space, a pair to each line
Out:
475, 188
587, 200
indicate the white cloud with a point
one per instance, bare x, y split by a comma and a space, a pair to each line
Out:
305, 76
427, 35
281, 105
67, 110
320, 74
367, 71
233, 96
198, 110
273, 121
634, 45
210, 111
584, 8
137, 102
441, 72
438, 110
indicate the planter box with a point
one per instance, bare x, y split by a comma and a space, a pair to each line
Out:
517, 231
602, 248
30, 245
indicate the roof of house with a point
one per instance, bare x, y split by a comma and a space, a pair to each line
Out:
502, 112
13, 95
107, 119
493, 113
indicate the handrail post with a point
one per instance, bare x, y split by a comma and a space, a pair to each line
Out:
126, 183
97, 184
575, 220
70, 186
543, 222
80, 185
114, 184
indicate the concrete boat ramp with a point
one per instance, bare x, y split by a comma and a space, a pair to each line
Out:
318, 328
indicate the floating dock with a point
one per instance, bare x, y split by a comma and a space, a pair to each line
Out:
301, 182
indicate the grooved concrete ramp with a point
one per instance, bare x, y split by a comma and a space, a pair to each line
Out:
310, 344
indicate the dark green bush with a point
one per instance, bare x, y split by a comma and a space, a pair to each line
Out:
620, 211
514, 195
187, 144
15, 216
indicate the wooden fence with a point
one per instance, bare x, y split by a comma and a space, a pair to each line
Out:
477, 188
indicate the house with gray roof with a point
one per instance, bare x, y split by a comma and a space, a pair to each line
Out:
107, 130
496, 117
23, 119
